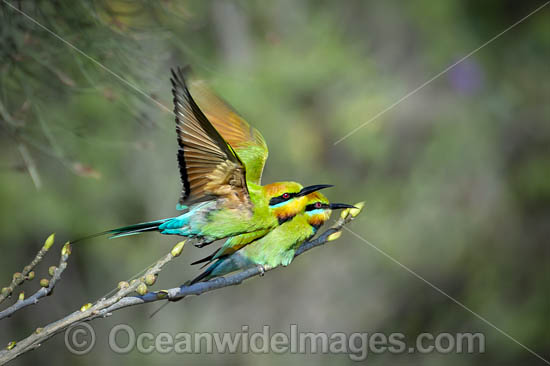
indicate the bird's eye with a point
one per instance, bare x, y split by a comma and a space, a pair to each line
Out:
318, 204
286, 195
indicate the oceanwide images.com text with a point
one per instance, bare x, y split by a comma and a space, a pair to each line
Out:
80, 339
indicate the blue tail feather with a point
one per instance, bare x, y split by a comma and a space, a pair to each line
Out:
177, 225
207, 273
136, 229
126, 230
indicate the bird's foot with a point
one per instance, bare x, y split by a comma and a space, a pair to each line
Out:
204, 241
201, 243
261, 269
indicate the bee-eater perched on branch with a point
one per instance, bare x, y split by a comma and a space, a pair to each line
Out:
273, 249
221, 159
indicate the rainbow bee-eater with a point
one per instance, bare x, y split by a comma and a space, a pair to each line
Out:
221, 159
273, 249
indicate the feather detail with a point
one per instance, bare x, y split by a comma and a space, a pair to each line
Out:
247, 141
209, 167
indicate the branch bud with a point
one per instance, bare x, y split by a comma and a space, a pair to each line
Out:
122, 285
11, 345
141, 289
150, 279
334, 236
344, 213
17, 276
44, 282
51, 270
39, 330
30, 275
5, 291
49, 242
85, 307
66, 250
356, 211
176, 250
162, 294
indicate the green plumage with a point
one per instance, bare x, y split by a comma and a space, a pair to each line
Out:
272, 248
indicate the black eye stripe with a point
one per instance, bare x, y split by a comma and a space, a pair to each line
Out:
280, 199
312, 207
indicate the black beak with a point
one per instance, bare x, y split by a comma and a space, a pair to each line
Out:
334, 206
310, 189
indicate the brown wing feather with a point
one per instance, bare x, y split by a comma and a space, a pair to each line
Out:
227, 122
247, 141
209, 167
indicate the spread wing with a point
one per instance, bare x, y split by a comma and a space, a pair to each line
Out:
209, 167
247, 141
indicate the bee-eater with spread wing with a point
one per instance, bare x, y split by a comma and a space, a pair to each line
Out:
276, 247
221, 159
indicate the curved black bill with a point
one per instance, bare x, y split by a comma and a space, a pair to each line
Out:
310, 189
334, 206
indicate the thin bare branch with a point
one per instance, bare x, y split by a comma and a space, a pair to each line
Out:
20, 277
31, 166
46, 288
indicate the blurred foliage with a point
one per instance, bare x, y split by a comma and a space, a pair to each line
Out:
456, 177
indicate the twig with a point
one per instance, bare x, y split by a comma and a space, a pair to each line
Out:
7, 117
31, 166
18, 277
86, 312
105, 306
47, 287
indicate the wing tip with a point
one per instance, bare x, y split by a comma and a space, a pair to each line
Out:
179, 75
